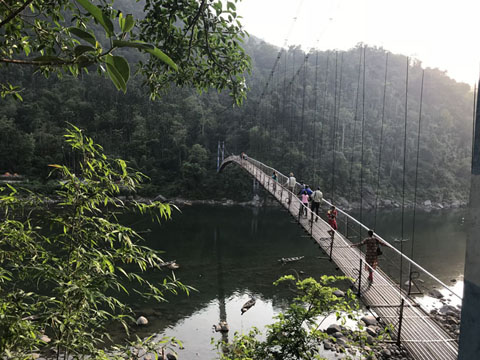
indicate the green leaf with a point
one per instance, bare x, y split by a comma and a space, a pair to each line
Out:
114, 74
121, 65
102, 18
82, 34
80, 49
126, 23
162, 56
134, 44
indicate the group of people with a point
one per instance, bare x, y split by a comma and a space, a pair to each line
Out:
310, 199
315, 198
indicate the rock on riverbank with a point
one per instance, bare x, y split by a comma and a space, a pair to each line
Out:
368, 341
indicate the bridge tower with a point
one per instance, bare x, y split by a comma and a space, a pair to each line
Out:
469, 347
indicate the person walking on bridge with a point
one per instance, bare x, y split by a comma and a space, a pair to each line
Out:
275, 180
317, 197
332, 220
304, 195
372, 253
290, 184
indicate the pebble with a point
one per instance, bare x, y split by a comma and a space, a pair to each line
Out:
142, 320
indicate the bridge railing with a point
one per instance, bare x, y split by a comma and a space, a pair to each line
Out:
345, 222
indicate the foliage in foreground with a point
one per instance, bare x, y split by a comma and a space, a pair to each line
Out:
61, 270
296, 333
189, 43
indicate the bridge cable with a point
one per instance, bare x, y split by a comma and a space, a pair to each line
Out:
292, 115
352, 155
335, 123
284, 91
303, 95
416, 181
404, 172
363, 137
324, 110
381, 142
285, 43
475, 89
315, 114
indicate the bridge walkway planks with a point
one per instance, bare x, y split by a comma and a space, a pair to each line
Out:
420, 334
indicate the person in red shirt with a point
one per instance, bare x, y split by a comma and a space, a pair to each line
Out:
332, 220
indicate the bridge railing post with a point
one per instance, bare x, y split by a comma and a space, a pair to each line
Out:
331, 243
400, 320
360, 278
346, 226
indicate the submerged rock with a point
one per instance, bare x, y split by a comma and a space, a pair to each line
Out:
436, 293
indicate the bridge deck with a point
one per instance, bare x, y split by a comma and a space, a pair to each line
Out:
419, 334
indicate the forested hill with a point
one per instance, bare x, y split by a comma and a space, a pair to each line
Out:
295, 127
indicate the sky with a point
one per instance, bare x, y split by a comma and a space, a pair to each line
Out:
440, 33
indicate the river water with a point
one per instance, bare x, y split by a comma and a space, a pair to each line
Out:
230, 254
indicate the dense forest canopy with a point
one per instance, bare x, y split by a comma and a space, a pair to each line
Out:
307, 120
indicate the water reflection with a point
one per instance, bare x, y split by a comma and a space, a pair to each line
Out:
231, 253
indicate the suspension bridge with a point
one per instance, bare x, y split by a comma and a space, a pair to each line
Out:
412, 326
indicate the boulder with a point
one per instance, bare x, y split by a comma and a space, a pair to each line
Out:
369, 320
142, 320
386, 353
372, 330
342, 342
370, 340
171, 356
334, 328
427, 203
339, 293
327, 345
338, 335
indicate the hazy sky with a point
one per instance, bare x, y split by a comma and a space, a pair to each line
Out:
440, 33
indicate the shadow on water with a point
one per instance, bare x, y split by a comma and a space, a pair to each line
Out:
231, 254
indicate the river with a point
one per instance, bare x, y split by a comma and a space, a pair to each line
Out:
230, 254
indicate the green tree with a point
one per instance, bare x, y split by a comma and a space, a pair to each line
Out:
61, 272
190, 43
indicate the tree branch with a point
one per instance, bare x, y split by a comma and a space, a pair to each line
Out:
37, 63
15, 13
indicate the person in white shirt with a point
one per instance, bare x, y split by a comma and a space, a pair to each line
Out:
317, 197
290, 184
